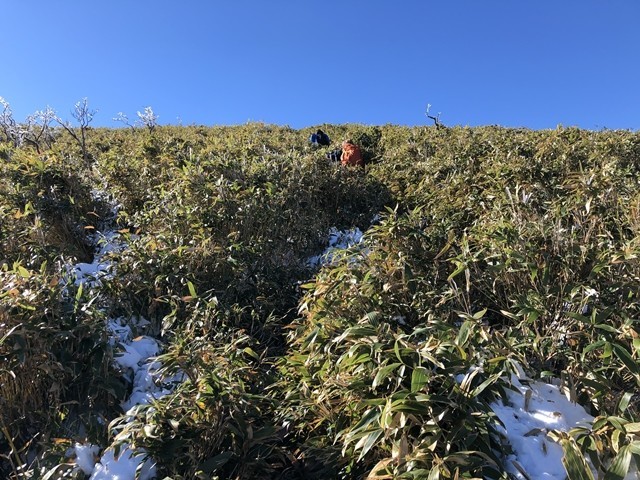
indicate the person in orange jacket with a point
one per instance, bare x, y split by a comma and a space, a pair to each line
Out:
351, 155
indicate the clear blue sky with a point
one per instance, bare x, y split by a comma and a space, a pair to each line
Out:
517, 63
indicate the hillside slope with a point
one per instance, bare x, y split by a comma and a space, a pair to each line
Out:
487, 252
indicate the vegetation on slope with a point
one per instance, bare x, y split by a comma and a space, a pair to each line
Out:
485, 248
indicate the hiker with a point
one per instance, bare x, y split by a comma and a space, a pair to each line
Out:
320, 138
351, 155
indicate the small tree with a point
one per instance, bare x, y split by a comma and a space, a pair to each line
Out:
8, 124
121, 117
436, 119
37, 129
148, 119
83, 116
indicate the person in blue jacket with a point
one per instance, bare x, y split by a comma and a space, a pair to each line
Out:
320, 138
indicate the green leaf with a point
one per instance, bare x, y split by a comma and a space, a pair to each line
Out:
419, 378
383, 373
410, 406
351, 360
626, 358
489, 381
593, 346
464, 333
369, 416
214, 463
624, 402
356, 332
617, 422
396, 350
632, 427
249, 351
24, 273
461, 267
192, 289
480, 314
606, 328
367, 442
620, 465
574, 462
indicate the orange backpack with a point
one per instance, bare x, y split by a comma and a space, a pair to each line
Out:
351, 155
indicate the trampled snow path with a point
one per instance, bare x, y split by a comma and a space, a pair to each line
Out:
91, 275
136, 361
338, 240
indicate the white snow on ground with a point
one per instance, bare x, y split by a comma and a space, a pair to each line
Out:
338, 240
526, 423
135, 358
86, 457
137, 363
92, 274
124, 466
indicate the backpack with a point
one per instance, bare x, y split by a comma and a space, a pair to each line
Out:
351, 155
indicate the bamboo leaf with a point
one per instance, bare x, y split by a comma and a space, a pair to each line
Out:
192, 290
419, 378
434, 473
383, 373
461, 267
620, 465
632, 427
214, 463
626, 358
24, 273
574, 462
624, 403
367, 442
464, 333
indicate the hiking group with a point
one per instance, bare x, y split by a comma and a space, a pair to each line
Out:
349, 155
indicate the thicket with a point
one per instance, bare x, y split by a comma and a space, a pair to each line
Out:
485, 248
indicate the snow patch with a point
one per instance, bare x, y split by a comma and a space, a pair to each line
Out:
100, 269
338, 240
136, 359
124, 466
528, 413
86, 456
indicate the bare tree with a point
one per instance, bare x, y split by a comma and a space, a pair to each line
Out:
83, 116
148, 119
436, 119
121, 117
37, 129
8, 124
